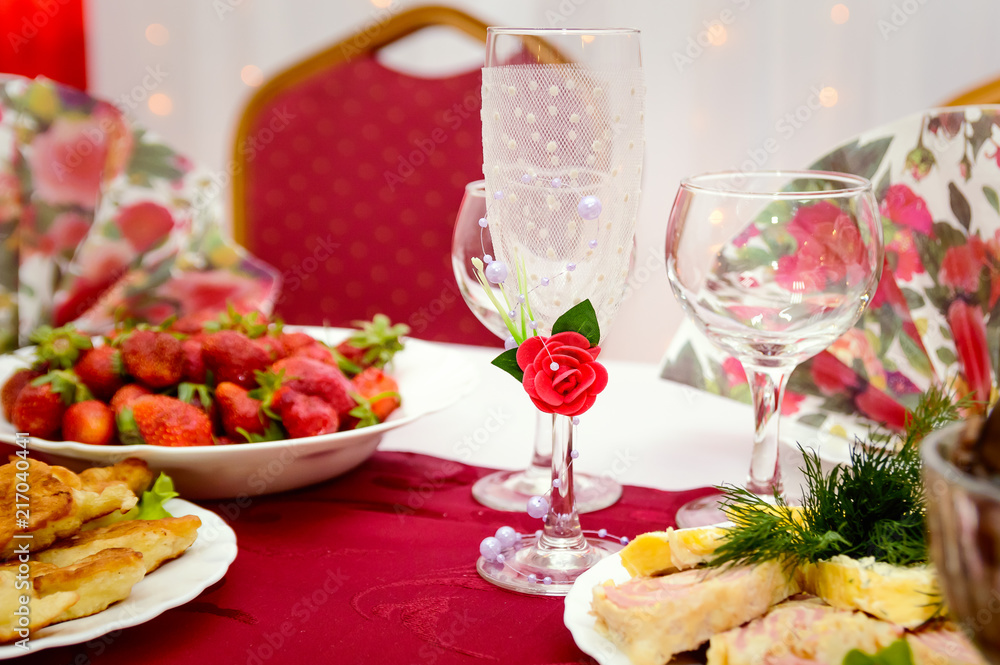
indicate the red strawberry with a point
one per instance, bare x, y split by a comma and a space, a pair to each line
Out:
305, 415
100, 369
317, 352
38, 410
165, 421
90, 422
380, 389
238, 411
59, 347
12, 388
272, 346
200, 395
193, 323
312, 377
224, 440
194, 363
352, 354
128, 394
373, 344
155, 358
293, 341
233, 357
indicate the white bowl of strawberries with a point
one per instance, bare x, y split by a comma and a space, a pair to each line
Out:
239, 408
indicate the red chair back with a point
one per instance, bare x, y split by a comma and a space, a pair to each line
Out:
348, 178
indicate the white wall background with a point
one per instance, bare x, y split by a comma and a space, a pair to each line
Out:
712, 111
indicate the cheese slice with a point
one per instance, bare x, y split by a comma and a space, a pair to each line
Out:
801, 631
669, 551
662, 552
906, 596
653, 618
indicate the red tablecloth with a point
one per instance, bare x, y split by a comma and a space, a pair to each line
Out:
377, 566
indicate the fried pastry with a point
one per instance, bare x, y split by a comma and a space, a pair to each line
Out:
58, 505
41, 611
157, 541
99, 580
135, 473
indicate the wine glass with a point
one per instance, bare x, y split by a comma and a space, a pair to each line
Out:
772, 267
510, 490
562, 149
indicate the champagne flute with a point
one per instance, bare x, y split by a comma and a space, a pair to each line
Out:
772, 267
510, 490
562, 148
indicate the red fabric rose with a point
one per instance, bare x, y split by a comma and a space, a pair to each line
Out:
830, 249
904, 207
962, 264
572, 387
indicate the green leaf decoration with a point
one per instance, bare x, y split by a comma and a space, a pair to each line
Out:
959, 206
839, 404
897, 653
991, 196
685, 368
914, 300
153, 159
982, 131
882, 187
863, 161
916, 355
813, 419
946, 355
507, 361
801, 381
580, 318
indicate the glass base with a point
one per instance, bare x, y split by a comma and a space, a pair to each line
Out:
510, 490
531, 570
701, 512
707, 511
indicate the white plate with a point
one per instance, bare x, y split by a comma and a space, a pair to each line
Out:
430, 376
174, 583
582, 624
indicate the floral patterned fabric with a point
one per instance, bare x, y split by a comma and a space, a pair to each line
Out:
99, 218
935, 318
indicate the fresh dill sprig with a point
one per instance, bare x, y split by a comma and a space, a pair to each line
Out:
874, 507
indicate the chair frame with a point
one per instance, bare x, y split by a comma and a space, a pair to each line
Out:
368, 40
988, 93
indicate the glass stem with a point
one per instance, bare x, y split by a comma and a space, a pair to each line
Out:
767, 385
562, 524
541, 458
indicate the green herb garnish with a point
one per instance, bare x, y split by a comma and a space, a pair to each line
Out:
874, 507
151, 504
897, 653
